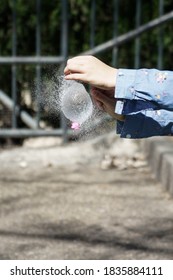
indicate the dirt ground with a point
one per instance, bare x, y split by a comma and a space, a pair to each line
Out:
90, 200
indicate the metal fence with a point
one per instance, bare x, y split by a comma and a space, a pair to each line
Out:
38, 60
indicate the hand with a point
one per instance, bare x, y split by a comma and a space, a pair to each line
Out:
106, 101
91, 70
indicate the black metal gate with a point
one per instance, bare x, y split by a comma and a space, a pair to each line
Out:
33, 124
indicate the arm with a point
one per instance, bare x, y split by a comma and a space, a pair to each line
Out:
146, 100
142, 98
146, 123
149, 85
102, 77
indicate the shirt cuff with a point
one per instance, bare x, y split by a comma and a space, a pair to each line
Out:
119, 106
127, 107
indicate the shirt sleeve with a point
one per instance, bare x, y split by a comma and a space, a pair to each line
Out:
146, 123
145, 97
149, 85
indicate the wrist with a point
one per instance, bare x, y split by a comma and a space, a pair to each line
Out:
113, 77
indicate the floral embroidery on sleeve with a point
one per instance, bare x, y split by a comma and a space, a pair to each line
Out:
161, 76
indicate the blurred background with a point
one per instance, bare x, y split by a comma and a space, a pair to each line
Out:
95, 199
38, 36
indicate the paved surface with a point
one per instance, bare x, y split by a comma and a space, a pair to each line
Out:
159, 151
58, 203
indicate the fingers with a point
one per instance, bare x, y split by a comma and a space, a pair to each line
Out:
104, 102
76, 77
99, 104
73, 68
107, 92
96, 101
92, 71
75, 65
99, 95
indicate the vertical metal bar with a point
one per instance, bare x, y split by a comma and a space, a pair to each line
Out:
115, 30
137, 40
64, 53
160, 37
64, 29
92, 23
92, 29
38, 67
13, 67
